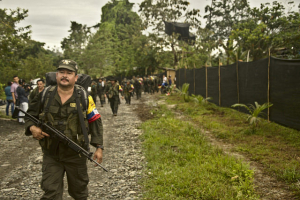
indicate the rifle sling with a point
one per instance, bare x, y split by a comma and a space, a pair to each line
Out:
82, 124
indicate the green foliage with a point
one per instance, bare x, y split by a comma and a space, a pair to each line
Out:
2, 92
155, 13
74, 44
184, 91
198, 99
182, 164
274, 146
19, 55
118, 47
268, 27
254, 110
13, 38
221, 17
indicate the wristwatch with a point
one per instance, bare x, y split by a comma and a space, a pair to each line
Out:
100, 147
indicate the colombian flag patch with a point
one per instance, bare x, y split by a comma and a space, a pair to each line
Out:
92, 112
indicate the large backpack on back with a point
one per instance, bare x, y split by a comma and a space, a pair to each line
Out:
83, 80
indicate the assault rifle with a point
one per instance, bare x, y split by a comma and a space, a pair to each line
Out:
53, 132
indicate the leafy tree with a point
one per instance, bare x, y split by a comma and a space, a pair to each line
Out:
75, 43
221, 17
113, 49
12, 38
268, 27
36, 66
155, 12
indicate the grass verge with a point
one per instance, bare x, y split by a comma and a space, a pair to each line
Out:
3, 115
181, 163
276, 147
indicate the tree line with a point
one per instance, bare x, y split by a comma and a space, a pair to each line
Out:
129, 43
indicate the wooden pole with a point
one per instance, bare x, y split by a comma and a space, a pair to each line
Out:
194, 80
185, 74
179, 79
237, 79
269, 64
206, 81
219, 83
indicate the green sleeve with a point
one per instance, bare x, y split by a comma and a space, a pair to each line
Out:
34, 110
96, 131
32, 94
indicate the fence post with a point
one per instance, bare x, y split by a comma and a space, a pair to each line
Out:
269, 64
194, 80
179, 79
237, 79
219, 83
185, 74
206, 88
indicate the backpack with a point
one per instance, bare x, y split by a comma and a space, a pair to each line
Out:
83, 80
81, 97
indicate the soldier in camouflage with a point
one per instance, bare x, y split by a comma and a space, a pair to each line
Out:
112, 93
60, 109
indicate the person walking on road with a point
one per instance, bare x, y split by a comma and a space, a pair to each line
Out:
128, 89
94, 89
138, 87
61, 105
100, 91
112, 93
9, 99
23, 100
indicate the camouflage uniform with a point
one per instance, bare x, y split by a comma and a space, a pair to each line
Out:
128, 88
146, 85
100, 92
138, 88
58, 158
112, 93
94, 91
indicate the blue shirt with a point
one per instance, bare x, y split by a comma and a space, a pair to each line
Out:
8, 93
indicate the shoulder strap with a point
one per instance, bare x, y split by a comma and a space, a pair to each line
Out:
83, 95
77, 92
48, 93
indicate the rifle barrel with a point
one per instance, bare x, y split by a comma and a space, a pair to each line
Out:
61, 136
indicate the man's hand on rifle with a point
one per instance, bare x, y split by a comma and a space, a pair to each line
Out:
37, 133
98, 156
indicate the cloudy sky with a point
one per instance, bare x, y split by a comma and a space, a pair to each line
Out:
50, 19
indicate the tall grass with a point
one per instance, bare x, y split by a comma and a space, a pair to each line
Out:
181, 164
272, 145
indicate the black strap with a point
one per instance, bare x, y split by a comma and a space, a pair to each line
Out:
80, 115
50, 99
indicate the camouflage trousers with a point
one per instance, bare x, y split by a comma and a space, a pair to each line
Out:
114, 103
53, 174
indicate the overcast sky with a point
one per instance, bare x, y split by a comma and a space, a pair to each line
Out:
50, 19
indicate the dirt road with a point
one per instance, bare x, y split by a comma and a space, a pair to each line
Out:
21, 158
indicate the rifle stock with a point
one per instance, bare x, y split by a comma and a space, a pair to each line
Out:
56, 133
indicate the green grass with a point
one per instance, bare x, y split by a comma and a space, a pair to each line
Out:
181, 163
3, 115
276, 147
